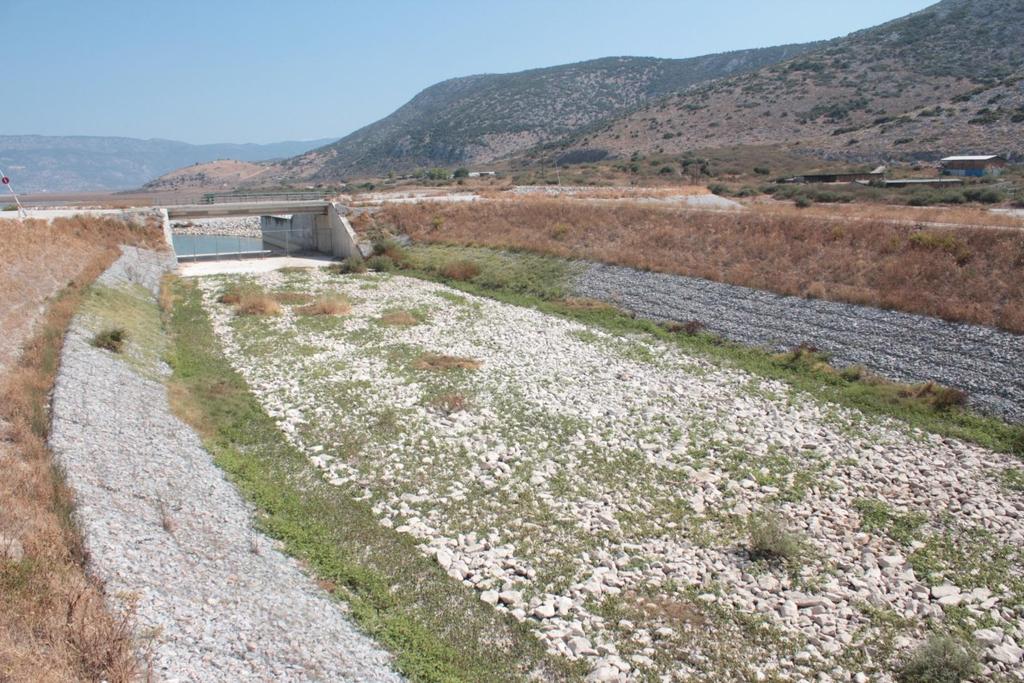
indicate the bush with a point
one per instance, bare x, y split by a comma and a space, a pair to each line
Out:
353, 264
461, 173
689, 328
770, 539
719, 189
257, 304
111, 339
802, 202
984, 195
460, 270
328, 305
390, 248
942, 659
937, 396
381, 264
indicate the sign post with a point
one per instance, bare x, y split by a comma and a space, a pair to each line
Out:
17, 202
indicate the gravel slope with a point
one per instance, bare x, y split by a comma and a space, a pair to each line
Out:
983, 361
163, 527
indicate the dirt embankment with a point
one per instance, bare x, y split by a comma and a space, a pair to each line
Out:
54, 625
974, 276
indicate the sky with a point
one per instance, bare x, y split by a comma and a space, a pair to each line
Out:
207, 71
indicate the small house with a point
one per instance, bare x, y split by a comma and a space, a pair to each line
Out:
973, 166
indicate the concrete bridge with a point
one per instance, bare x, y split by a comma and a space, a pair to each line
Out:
302, 225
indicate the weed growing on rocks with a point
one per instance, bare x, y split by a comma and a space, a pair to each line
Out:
352, 265
941, 659
771, 539
112, 339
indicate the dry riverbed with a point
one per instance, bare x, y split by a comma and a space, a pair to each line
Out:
608, 490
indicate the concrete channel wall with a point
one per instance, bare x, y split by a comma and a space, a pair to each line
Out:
328, 233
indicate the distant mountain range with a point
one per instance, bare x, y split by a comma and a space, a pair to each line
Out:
39, 163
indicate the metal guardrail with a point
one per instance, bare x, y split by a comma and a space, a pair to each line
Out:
242, 198
235, 198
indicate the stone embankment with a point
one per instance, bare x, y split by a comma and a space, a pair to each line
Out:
170, 535
982, 361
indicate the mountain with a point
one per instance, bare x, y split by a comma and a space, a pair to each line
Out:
943, 80
477, 119
38, 163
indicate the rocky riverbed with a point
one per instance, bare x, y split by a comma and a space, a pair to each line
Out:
608, 490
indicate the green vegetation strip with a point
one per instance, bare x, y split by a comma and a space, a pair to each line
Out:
542, 282
438, 628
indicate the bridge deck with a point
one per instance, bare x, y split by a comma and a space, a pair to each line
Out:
247, 209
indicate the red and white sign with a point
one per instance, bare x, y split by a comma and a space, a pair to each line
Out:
6, 180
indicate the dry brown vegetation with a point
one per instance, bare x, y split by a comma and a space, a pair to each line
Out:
434, 361
293, 298
971, 275
332, 304
460, 270
257, 303
54, 624
399, 319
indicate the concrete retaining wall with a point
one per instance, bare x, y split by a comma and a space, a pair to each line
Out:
328, 234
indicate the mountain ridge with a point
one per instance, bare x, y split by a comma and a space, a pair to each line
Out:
484, 117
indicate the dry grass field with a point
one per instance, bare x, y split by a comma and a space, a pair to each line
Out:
54, 625
961, 274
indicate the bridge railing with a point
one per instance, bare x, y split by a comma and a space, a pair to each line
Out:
235, 197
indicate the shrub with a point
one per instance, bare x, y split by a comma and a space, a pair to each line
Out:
984, 195
689, 327
719, 189
802, 202
111, 339
770, 538
460, 270
936, 395
761, 170
334, 304
390, 248
381, 264
353, 264
461, 173
941, 659
257, 304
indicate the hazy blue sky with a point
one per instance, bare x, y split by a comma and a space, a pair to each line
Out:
268, 70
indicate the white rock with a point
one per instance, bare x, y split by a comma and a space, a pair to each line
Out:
944, 590
1006, 653
988, 637
490, 597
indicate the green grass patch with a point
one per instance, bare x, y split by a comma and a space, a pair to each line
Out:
525, 273
438, 628
125, 321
